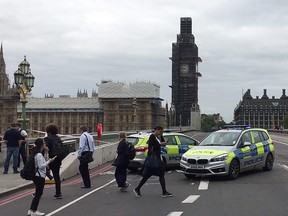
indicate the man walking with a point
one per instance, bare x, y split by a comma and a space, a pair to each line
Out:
12, 139
22, 148
86, 144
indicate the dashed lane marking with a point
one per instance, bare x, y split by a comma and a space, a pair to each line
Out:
283, 143
283, 166
203, 185
191, 199
175, 214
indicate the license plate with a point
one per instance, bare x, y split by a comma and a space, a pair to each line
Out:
201, 167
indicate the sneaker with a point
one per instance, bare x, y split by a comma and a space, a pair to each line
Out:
29, 212
37, 213
137, 193
167, 194
16, 171
5, 172
57, 196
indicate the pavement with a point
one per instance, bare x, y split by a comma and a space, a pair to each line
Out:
11, 182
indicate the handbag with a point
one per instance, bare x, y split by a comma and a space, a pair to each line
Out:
86, 156
152, 162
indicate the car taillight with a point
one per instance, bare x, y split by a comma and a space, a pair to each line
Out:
141, 149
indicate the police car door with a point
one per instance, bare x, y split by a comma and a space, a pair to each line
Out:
257, 148
245, 157
172, 152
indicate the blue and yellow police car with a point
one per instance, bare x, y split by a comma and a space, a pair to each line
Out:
228, 152
177, 144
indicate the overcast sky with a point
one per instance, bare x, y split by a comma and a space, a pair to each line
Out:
74, 44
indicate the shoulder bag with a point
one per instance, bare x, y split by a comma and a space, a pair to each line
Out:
86, 156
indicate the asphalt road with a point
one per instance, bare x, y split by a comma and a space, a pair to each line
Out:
253, 193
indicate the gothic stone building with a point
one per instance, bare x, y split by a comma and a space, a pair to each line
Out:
117, 106
67, 113
261, 112
185, 75
8, 98
131, 107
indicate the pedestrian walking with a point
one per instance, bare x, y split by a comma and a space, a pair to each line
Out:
155, 142
121, 162
53, 139
39, 179
12, 139
86, 147
22, 148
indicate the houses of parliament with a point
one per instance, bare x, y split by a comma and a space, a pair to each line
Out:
117, 106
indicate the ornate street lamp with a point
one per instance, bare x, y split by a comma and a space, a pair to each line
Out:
24, 81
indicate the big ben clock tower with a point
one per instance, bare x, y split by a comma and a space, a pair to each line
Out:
185, 76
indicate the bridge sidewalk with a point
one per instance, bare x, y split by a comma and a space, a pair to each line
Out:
11, 182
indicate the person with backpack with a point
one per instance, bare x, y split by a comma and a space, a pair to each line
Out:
121, 163
52, 140
39, 178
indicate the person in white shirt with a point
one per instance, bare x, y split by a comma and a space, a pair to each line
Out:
86, 143
39, 179
22, 147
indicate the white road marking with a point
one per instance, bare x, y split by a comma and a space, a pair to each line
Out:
191, 199
175, 214
283, 166
203, 185
80, 198
280, 142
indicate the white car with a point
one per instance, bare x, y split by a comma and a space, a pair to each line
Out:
229, 152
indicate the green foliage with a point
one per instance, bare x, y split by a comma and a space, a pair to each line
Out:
208, 124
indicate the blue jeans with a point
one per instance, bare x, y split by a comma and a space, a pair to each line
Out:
11, 151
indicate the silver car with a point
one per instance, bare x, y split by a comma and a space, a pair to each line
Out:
229, 152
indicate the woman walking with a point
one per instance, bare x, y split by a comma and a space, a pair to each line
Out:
121, 163
155, 142
39, 179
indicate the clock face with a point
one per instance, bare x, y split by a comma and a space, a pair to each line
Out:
184, 68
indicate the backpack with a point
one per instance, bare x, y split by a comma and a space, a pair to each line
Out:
29, 170
131, 152
58, 149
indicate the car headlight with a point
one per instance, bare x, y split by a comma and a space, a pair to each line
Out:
222, 157
183, 158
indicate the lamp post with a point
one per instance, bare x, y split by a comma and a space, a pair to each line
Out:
134, 105
24, 81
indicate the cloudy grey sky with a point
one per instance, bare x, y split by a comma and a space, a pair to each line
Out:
74, 44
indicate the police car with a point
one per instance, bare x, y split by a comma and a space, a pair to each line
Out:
228, 152
177, 144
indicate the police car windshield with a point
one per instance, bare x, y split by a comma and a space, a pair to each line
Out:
223, 138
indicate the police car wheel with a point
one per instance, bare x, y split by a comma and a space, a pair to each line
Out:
234, 170
268, 163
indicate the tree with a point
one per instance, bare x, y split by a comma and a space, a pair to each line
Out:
208, 124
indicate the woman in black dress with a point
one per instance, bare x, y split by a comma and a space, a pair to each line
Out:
155, 142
